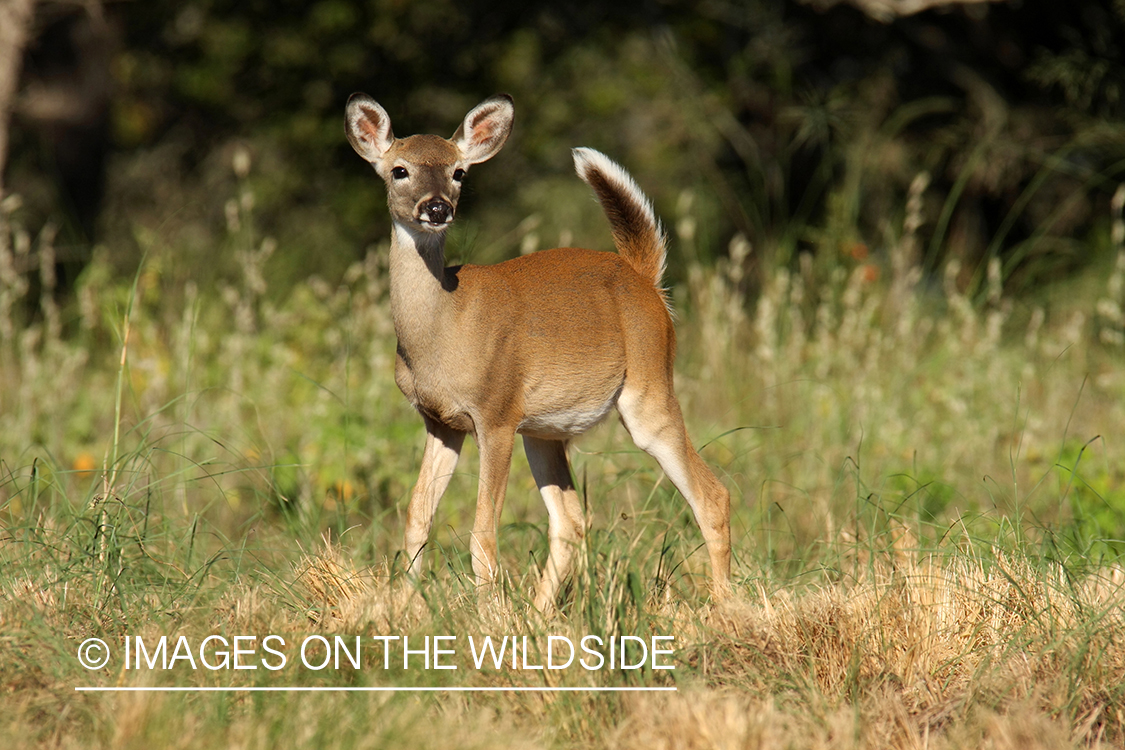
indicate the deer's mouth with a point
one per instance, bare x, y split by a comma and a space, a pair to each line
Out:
433, 226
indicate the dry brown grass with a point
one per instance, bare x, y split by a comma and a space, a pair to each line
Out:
916, 651
910, 655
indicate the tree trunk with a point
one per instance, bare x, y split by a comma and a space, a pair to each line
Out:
15, 25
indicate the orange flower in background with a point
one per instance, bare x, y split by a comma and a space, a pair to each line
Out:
870, 273
344, 489
858, 251
84, 465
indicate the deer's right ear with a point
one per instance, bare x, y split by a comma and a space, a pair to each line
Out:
368, 128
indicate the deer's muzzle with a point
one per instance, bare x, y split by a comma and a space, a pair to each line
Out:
436, 212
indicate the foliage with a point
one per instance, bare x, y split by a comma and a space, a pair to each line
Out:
798, 128
925, 517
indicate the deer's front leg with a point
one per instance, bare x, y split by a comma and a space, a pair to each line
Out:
495, 446
443, 448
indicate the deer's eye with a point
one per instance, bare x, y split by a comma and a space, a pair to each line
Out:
399, 173
458, 174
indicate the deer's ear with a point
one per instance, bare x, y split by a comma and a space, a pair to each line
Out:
368, 128
485, 129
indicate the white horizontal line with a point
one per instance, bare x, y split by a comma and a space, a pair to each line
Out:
253, 689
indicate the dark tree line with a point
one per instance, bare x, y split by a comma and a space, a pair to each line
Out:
799, 126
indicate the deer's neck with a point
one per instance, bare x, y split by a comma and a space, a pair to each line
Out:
418, 298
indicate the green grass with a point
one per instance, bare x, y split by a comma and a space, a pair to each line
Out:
928, 520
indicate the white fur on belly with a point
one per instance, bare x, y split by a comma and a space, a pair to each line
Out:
562, 424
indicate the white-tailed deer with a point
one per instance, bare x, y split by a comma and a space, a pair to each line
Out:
543, 345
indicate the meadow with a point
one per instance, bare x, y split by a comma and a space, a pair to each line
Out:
926, 475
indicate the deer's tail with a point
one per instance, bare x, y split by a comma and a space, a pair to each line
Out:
636, 232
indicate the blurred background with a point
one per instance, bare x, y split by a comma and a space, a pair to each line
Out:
797, 126
893, 225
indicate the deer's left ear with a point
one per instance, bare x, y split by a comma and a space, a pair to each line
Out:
485, 129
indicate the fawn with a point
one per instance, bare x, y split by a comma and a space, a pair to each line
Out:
544, 345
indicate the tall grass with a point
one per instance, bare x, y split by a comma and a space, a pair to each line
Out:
928, 512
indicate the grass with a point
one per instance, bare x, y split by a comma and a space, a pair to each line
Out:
929, 515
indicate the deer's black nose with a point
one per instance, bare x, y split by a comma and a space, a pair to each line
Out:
436, 211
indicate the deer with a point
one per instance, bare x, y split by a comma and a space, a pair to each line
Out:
544, 345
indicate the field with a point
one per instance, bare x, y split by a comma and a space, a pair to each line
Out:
928, 493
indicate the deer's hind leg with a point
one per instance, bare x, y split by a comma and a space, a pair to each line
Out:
653, 418
567, 528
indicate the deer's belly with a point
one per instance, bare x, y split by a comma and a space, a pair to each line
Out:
546, 404
568, 417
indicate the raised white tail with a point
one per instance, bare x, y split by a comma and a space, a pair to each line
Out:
544, 345
637, 234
